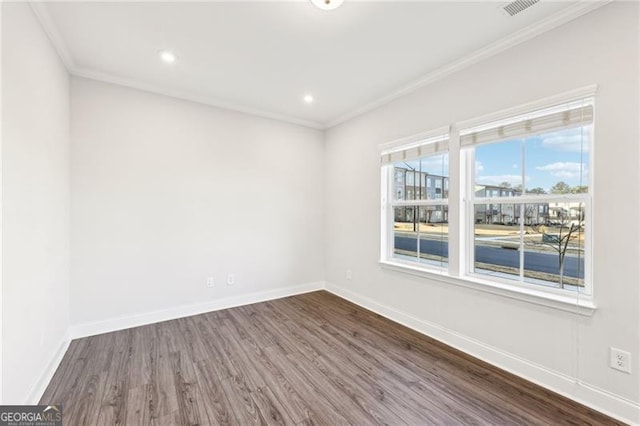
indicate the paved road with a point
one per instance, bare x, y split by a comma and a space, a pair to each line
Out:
533, 261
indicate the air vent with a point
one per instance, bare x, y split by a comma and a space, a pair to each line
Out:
518, 6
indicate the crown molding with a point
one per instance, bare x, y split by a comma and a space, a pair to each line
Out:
568, 14
50, 28
43, 16
525, 34
189, 96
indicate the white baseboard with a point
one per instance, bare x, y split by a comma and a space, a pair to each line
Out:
601, 400
98, 327
41, 385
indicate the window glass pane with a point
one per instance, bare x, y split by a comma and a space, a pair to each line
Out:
420, 234
409, 177
497, 214
558, 162
497, 240
423, 179
405, 233
498, 169
436, 170
554, 246
434, 235
407, 180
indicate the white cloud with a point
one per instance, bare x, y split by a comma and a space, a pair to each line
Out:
564, 166
574, 140
564, 170
479, 167
515, 166
563, 174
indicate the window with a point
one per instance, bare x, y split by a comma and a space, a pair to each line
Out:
416, 225
538, 235
521, 202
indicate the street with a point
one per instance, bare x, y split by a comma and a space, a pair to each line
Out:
533, 261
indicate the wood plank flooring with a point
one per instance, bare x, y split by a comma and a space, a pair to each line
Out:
307, 359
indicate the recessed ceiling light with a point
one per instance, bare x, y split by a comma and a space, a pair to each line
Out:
308, 99
327, 4
167, 57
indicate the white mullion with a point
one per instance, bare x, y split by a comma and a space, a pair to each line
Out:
386, 212
417, 207
522, 209
384, 216
467, 237
522, 206
417, 221
589, 215
390, 213
588, 246
455, 208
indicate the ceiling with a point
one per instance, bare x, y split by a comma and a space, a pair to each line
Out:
263, 57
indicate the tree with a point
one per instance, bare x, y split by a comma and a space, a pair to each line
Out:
580, 189
536, 190
560, 242
560, 188
505, 184
530, 212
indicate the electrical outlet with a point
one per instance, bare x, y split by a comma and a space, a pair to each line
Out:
210, 282
620, 360
231, 279
348, 275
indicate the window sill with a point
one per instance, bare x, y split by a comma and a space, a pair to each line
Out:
583, 306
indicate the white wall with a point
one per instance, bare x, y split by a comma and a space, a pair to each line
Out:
602, 48
35, 204
166, 193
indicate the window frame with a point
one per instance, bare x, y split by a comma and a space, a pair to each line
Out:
461, 214
389, 203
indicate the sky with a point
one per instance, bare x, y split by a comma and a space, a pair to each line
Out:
548, 159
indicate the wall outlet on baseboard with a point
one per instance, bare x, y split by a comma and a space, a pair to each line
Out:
620, 360
348, 275
231, 279
210, 282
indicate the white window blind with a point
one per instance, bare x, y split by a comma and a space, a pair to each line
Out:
415, 149
565, 116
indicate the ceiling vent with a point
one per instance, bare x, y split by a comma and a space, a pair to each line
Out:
518, 6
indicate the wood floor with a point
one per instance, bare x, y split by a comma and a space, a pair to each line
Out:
308, 359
